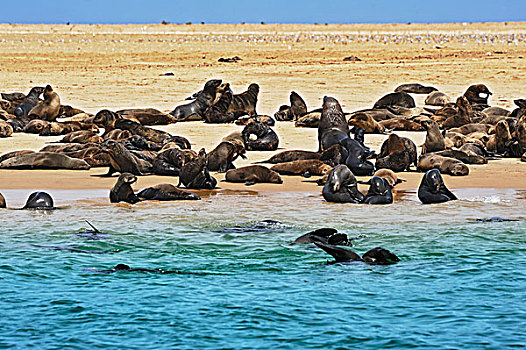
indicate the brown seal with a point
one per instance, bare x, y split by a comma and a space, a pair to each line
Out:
400, 98
397, 154
14, 154
302, 167
166, 192
478, 95
297, 108
44, 160
415, 88
332, 127
148, 116
365, 121
6, 129
82, 136
2, 201
262, 118
434, 138
221, 158
309, 120
122, 160
446, 165
31, 100
218, 112
401, 124
135, 128
471, 128
463, 117
390, 176
437, 98
289, 156
194, 174
253, 174
498, 142
49, 108
465, 157
122, 190
35, 126
245, 102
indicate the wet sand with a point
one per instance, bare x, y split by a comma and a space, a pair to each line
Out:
95, 67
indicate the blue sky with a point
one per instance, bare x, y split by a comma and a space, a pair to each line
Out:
270, 11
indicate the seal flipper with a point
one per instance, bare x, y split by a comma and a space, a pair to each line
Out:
93, 227
339, 254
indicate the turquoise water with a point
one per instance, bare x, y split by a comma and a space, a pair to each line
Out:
459, 285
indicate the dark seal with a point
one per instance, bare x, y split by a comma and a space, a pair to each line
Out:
341, 186
433, 190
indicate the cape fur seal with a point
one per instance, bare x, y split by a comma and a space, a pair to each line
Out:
245, 102
325, 235
222, 157
135, 128
333, 127
289, 156
341, 186
401, 124
401, 98
29, 102
122, 190
49, 108
302, 167
464, 115
39, 201
367, 122
44, 160
446, 165
379, 191
6, 129
194, 174
433, 190
266, 138
218, 112
415, 88
2, 201
397, 154
434, 138
437, 98
166, 192
253, 174
168, 162
148, 116
204, 99
297, 108
390, 176
122, 160
375, 256
478, 95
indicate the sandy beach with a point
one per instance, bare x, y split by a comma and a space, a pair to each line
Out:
107, 66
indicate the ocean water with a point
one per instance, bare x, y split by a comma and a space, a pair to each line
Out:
460, 283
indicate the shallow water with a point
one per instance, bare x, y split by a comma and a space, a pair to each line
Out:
460, 284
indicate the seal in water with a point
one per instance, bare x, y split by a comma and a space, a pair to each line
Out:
433, 190
325, 235
49, 108
379, 192
124, 267
39, 201
375, 256
401, 98
253, 174
203, 100
266, 138
29, 102
2, 201
122, 191
341, 186
333, 127
166, 192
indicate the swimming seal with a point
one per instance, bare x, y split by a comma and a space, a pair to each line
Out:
39, 201
166, 192
341, 186
379, 192
253, 174
266, 138
122, 190
203, 100
245, 102
2, 201
433, 190
415, 88
375, 256
325, 235
333, 127
49, 108
29, 102
401, 98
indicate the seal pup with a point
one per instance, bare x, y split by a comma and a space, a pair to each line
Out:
302, 167
379, 191
245, 102
341, 186
415, 88
333, 127
29, 102
6, 129
446, 165
389, 176
437, 98
266, 138
122, 190
49, 108
2, 201
39, 201
434, 138
433, 190
325, 235
253, 174
400, 98
203, 100
194, 174
166, 192
44, 160
222, 157
375, 256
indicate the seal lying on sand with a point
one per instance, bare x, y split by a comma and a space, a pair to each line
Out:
6, 129
375, 256
204, 99
302, 167
44, 160
415, 88
437, 98
390, 176
266, 138
401, 98
29, 102
122, 190
148, 116
39, 201
341, 186
446, 165
433, 190
379, 192
49, 108
135, 128
289, 156
166, 192
253, 174
325, 235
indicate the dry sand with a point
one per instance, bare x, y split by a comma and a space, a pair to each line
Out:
102, 66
